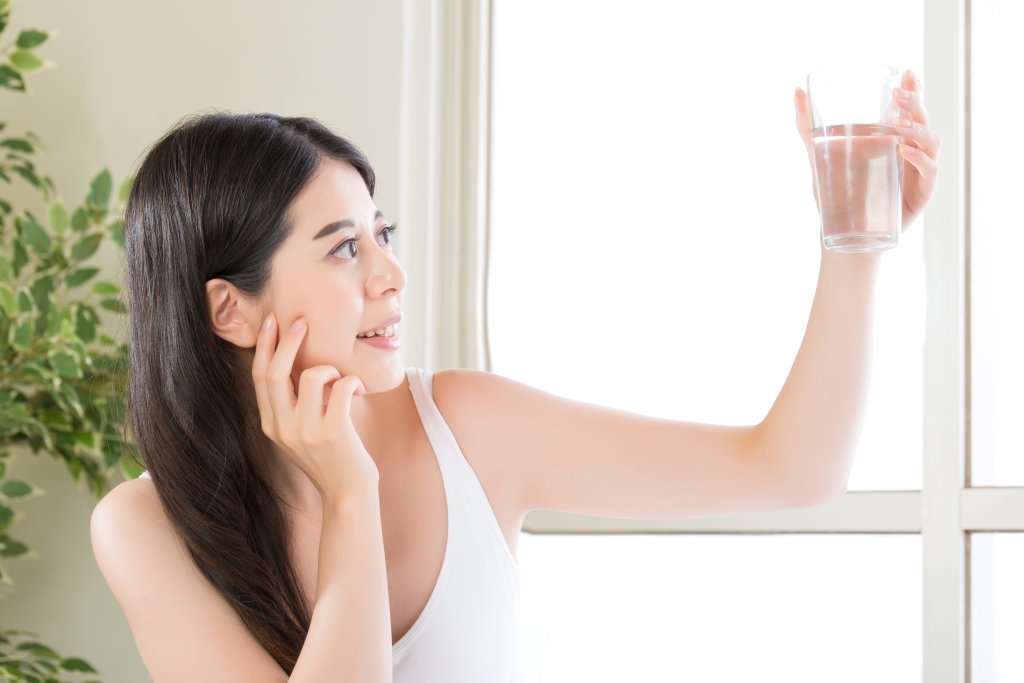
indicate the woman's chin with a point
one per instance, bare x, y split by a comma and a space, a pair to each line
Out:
384, 378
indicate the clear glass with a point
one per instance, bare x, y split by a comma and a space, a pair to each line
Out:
997, 608
722, 608
654, 241
858, 170
997, 242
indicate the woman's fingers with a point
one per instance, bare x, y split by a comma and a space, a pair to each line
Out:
310, 407
918, 135
803, 117
279, 371
266, 344
339, 405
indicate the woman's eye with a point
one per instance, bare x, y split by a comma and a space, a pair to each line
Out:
384, 237
345, 250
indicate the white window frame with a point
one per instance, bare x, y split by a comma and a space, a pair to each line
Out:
444, 185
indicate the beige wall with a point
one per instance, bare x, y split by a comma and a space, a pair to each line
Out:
126, 71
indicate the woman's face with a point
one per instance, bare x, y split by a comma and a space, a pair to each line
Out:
336, 269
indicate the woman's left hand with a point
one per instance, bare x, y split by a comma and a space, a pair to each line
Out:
920, 146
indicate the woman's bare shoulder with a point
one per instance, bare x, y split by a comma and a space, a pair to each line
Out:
464, 389
170, 605
129, 531
131, 508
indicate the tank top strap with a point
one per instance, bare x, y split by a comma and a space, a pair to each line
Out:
449, 456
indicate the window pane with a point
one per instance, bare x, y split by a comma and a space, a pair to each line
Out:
997, 280
653, 241
997, 607
792, 609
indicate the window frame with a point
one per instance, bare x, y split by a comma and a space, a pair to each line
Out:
444, 191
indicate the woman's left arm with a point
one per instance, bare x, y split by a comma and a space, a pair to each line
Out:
540, 451
551, 453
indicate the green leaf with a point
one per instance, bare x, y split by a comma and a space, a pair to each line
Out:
125, 189
23, 60
11, 79
66, 365
15, 489
58, 218
68, 399
24, 332
10, 549
26, 304
86, 247
116, 232
3, 4
56, 420
29, 174
75, 664
41, 290
85, 324
79, 220
99, 190
34, 235
112, 451
114, 305
8, 300
30, 38
6, 517
103, 288
86, 440
20, 257
6, 269
81, 276
39, 650
18, 145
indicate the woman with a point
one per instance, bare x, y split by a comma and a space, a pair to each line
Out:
315, 512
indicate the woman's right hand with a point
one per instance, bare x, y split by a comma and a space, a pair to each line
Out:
317, 435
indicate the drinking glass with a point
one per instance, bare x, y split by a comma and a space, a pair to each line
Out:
858, 169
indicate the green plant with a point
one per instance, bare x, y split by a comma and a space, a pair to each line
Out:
62, 373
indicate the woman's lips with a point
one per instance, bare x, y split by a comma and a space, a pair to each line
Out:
385, 338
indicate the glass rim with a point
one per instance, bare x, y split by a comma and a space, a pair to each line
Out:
838, 72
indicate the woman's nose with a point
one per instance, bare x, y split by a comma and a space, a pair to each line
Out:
387, 277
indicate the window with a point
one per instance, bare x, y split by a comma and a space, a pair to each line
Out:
651, 218
501, 170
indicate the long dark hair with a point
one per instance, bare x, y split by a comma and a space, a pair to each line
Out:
211, 200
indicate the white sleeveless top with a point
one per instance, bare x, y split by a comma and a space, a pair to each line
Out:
467, 633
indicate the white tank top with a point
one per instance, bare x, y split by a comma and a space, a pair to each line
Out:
467, 633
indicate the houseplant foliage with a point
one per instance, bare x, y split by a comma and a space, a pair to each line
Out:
62, 373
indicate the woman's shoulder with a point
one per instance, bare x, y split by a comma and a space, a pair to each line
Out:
170, 606
131, 505
468, 388
129, 530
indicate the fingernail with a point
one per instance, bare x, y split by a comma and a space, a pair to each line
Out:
902, 94
905, 122
298, 325
268, 323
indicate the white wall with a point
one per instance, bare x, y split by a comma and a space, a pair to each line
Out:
126, 70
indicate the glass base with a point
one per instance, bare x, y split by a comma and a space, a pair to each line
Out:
860, 243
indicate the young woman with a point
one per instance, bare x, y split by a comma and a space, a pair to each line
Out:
313, 511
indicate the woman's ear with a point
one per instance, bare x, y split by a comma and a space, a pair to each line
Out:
234, 316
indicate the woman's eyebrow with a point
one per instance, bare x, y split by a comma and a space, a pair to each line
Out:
334, 227
338, 225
